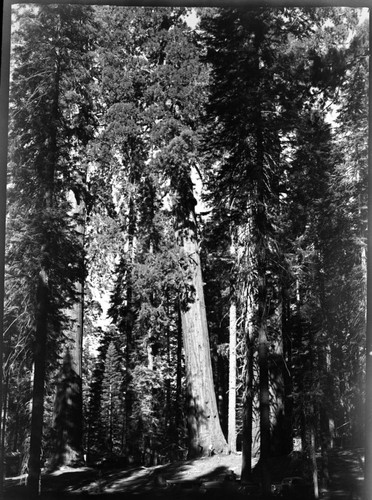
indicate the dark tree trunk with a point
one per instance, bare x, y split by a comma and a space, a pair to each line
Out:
247, 408
261, 230
282, 439
324, 442
128, 377
368, 382
261, 233
42, 301
127, 324
178, 400
4, 105
169, 421
264, 410
287, 373
68, 416
34, 466
5, 410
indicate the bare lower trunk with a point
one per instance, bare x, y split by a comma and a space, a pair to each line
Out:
280, 385
248, 375
313, 457
247, 413
263, 362
264, 411
232, 379
5, 412
4, 103
68, 416
204, 427
34, 465
69, 407
287, 375
179, 371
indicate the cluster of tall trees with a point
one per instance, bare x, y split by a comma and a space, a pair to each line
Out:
186, 234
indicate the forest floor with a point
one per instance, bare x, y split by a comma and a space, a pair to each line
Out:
216, 477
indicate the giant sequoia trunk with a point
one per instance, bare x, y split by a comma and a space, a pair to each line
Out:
69, 400
204, 427
43, 298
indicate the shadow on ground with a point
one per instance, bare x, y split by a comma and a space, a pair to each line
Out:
166, 481
182, 481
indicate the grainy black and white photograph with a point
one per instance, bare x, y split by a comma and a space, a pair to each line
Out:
185, 204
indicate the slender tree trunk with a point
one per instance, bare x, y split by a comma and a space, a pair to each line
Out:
263, 345
287, 375
324, 441
128, 322
248, 396
278, 434
313, 454
232, 378
169, 416
281, 438
368, 404
264, 409
4, 106
368, 379
5, 411
261, 231
179, 370
248, 373
205, 434
2, 450
34, 466
111, 420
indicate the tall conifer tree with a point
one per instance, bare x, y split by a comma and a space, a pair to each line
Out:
50, 120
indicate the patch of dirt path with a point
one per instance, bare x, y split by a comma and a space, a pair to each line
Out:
346, 475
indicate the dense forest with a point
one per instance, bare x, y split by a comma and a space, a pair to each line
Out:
186, 242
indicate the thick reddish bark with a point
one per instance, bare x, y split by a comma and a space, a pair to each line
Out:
205, 431
69, 400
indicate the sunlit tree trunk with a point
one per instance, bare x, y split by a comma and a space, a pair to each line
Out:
178, 399
232, 377
69, 407
248, 389
205, 434
78, 211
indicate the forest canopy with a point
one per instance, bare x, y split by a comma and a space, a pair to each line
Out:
186, 242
